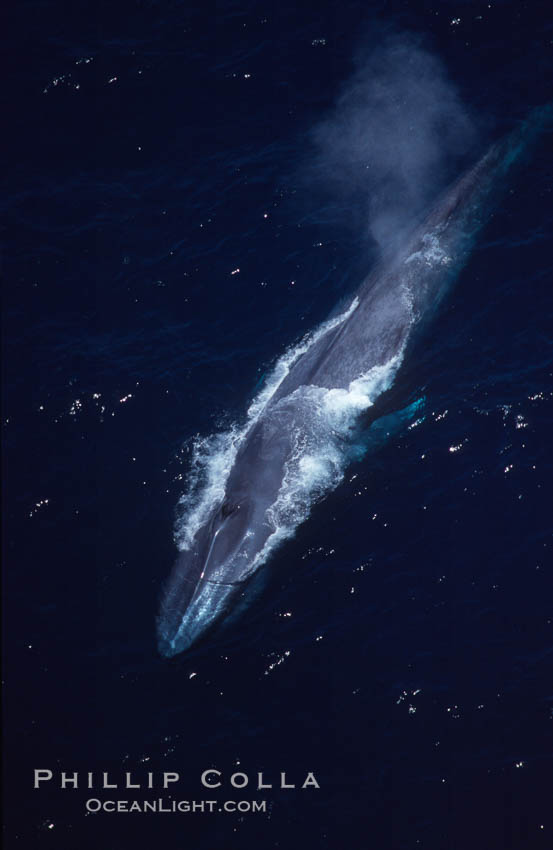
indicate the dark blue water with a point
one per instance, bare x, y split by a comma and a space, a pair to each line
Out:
401, 648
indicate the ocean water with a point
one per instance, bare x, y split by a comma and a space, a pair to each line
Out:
166, 239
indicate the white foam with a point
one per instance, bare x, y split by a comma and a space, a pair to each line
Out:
284, 364
213, 457
431, 253
322, 448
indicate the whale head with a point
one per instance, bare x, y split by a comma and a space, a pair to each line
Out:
208, 577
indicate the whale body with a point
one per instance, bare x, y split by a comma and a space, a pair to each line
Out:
257, 483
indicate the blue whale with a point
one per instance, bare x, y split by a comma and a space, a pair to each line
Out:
257, 483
